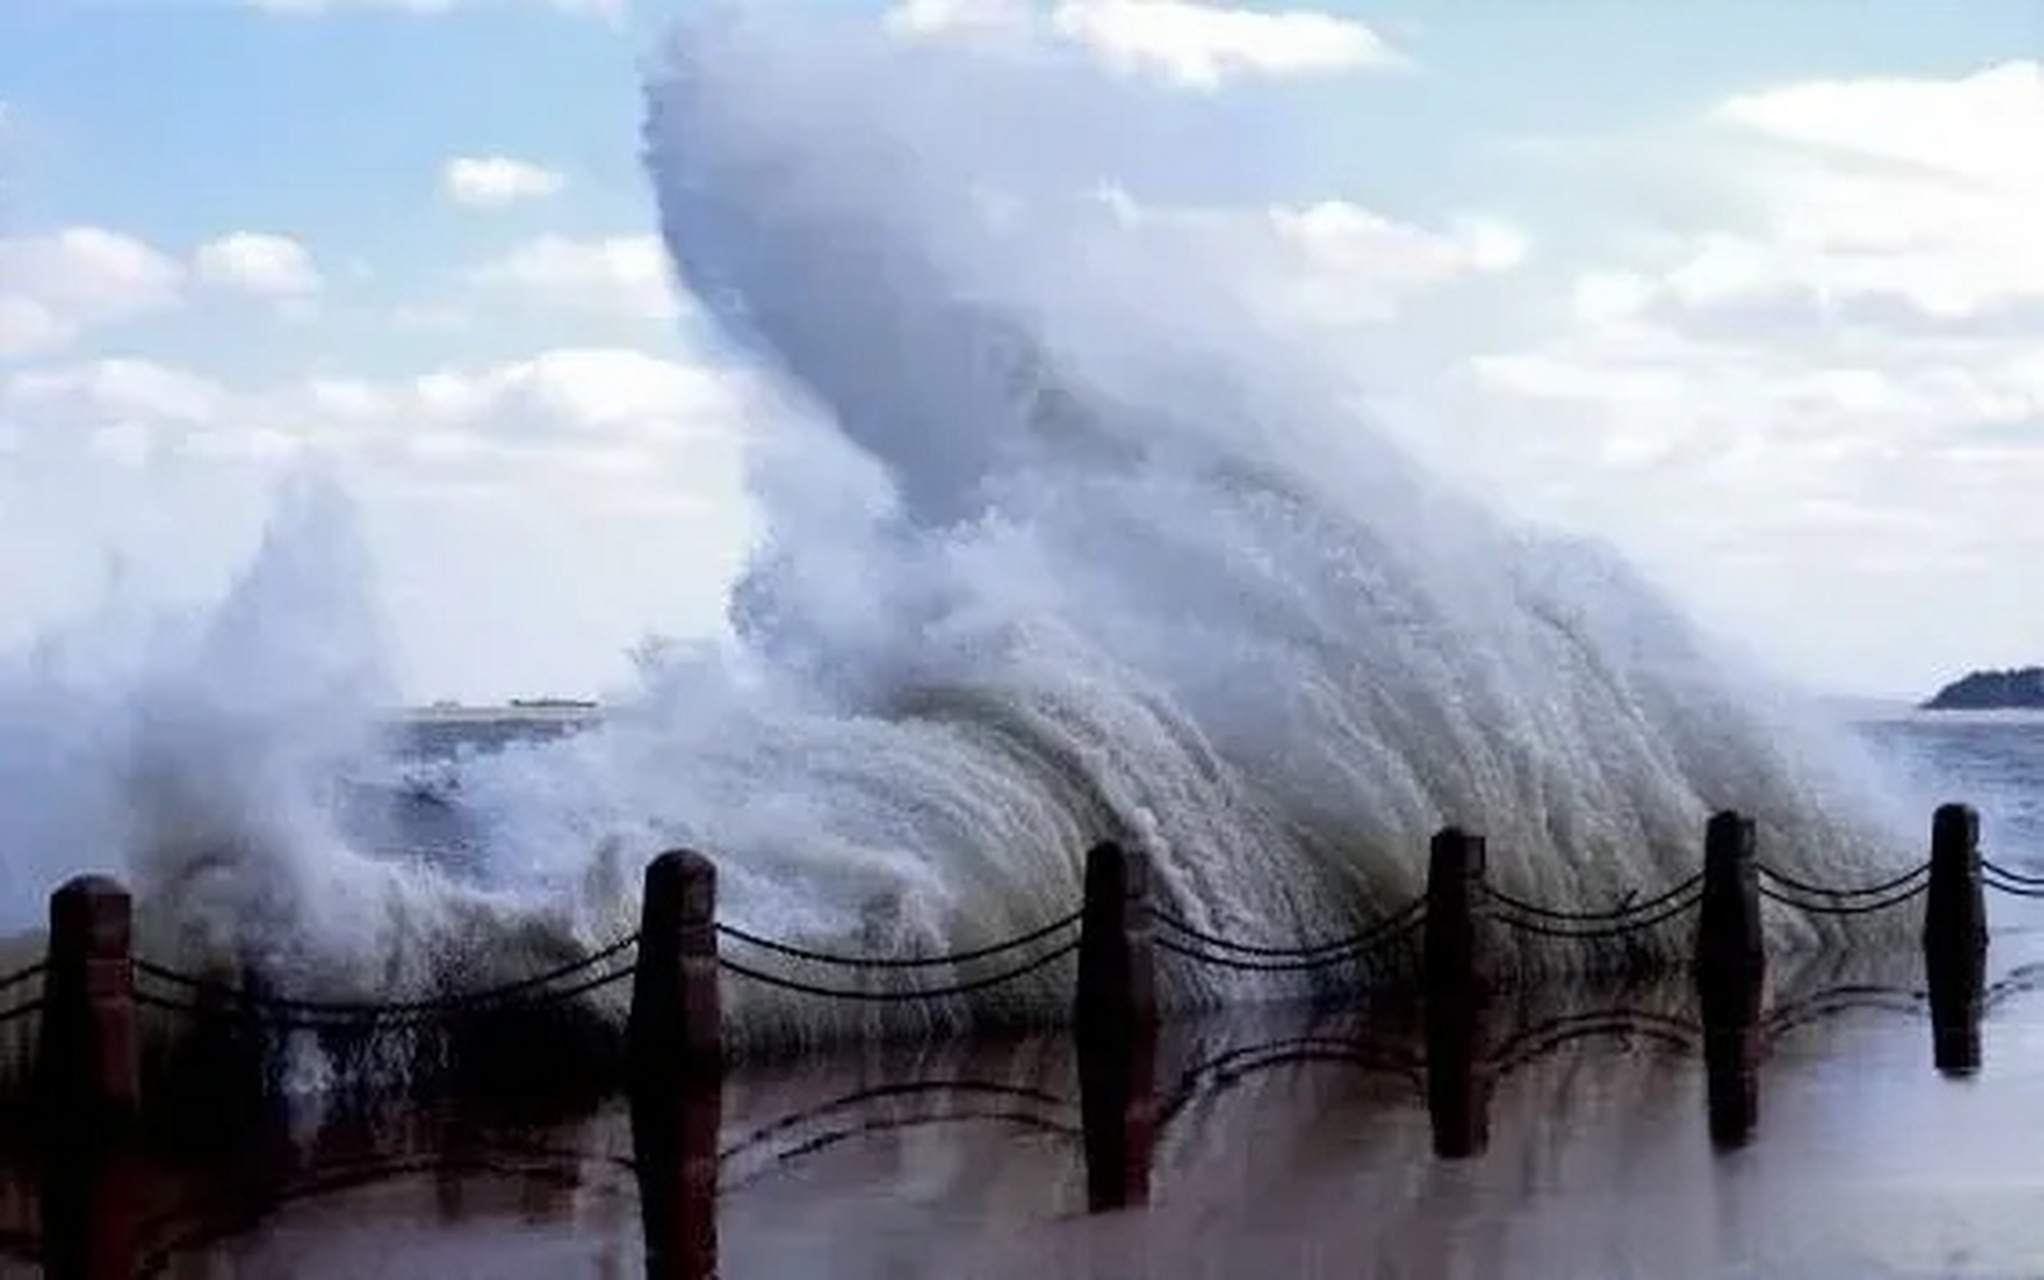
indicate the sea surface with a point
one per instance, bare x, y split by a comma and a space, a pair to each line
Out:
1991, 760
1269, 1159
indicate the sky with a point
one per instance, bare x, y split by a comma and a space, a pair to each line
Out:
1753, 291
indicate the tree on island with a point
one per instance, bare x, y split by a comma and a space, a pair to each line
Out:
2022, 687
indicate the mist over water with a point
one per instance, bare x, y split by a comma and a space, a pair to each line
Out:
1063, 543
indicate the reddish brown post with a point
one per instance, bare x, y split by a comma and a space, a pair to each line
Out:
1731, 969
1731, 1064
90, 1073
1458, 960
674, 1148
92, 1196
1458, 949
1117, 970
89, 1082
676, 1028
1730, 947
1115, 1021
1955, 939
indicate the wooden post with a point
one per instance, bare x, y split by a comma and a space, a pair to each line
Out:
91, 1211
1731, 971
1731, 950
90, 1082
676, 1028
1731, 1063
1458, 974
1458, 947
1117, 966
91, 1079
674, 1149
1955, 939
1460, 1075
1115, 1021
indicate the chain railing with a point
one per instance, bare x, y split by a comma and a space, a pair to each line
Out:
1176, 936
21, 977
1180, 937
1613, 922
900, 964
1779, 886
2009, 881
681, 952
200, 997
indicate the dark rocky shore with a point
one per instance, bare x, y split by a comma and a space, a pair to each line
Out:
2018, 689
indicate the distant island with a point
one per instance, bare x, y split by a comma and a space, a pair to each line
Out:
2022, 688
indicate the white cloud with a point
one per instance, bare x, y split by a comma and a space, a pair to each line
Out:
625, 276
120, 388
482, 488
56, 286
491, 182
117, 410
559, 405
610, 10
1983, 126
265, 266
28, 326
1202, 45
1918, 196
1332, 261
933, 17
1181, 42
1828, 373
585, 392
1354, 261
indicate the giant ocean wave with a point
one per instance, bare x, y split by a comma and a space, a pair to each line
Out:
1060, 545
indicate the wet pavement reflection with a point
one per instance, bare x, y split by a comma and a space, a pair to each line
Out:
1851, 1118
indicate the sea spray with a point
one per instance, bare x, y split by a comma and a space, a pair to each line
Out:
1062, 542
196, 754
1137, 571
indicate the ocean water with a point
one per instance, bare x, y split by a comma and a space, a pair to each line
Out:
1991, 760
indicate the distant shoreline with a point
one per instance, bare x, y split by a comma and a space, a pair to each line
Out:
503, 713
2020, 688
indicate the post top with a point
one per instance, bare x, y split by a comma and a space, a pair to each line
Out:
1116, 862
1455, 850
680, 864
91, 915
680, 888
92, 886
1731, 834
1959, 822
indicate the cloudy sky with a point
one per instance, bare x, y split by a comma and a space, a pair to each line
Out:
1755, 291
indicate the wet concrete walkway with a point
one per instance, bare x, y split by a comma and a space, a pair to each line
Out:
1284, 1146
